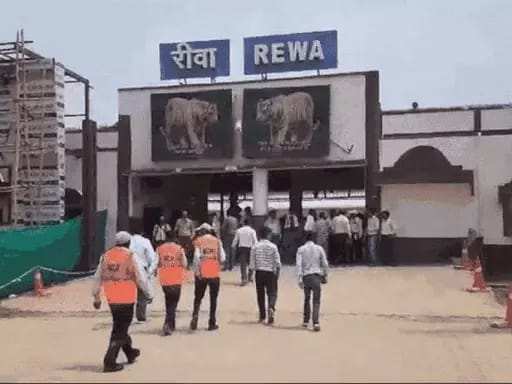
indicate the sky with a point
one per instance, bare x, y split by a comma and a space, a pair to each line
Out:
435, 52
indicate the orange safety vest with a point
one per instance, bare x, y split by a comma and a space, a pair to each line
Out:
171, 270
209, 265
118, 276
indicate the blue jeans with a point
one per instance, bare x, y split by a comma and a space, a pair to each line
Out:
372, 249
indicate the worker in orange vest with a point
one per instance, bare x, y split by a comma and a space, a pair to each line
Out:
119, 275
172, 266
208, 257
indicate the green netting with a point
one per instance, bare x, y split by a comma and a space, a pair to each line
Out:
56, 248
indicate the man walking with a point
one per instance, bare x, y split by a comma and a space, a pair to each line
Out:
388, 232
372, 236
147, 259
184, 228
160, 231
245, 238
266, 262
312, 270
208, 257
120, 276
341, 233
229, 228
274, 224
172, 265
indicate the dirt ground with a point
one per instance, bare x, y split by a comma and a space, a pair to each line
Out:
378, 324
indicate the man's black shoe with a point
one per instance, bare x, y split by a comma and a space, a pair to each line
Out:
193, 324
114, 368
166, 330
132, 356
270, 316
213, 327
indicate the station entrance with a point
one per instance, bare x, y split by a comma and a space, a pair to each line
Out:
295, 190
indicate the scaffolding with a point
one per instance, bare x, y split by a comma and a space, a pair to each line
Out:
28, 147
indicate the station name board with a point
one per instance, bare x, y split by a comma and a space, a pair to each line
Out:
194, 59
293, 52
262, 54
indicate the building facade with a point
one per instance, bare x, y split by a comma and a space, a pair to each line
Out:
442, 171
438, 171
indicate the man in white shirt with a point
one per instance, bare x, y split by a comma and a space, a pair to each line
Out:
148, 261
229, 228
372, 236
245, 239
309, 225
312, 270
184, 229
341, 233
160, 231
274, 224
356, 228
388, 232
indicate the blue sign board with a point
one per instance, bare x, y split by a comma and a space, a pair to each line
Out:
294, 52
194, 59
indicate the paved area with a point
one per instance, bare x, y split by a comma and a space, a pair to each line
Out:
378, 324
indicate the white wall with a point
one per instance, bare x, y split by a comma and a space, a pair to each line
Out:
74, 173
489, 157
107, 191
494, 169
458, 150
431, 210
428, 122
347, 109
496, 119
107, 175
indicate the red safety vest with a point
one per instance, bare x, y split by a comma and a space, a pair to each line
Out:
118, 276
171, 270
209, 264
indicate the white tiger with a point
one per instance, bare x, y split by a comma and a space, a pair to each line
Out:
289, 117
186, 122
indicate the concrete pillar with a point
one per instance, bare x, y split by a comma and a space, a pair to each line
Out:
259, 195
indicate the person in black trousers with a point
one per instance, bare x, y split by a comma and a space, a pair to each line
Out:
388, 233
208, 257
312, 269
266, 262
119, 275
172, 264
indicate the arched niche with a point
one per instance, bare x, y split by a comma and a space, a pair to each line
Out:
425, 164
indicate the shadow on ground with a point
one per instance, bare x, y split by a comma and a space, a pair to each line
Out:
84, 368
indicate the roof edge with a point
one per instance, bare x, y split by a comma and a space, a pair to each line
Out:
252, 81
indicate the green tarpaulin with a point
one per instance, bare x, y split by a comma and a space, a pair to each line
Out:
55, 248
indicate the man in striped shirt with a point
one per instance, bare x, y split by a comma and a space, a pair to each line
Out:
266, 262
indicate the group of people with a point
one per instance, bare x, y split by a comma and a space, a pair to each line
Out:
345, 238
124, 273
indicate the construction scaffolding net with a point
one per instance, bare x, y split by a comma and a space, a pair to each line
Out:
53, 250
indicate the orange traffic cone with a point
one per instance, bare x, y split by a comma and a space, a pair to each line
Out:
38, 283
479, 284
508, 313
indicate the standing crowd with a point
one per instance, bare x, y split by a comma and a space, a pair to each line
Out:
346, 238
125, 271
